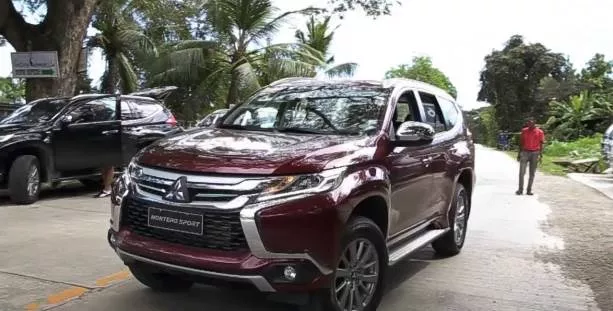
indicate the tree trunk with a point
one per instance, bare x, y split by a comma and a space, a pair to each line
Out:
233, 92
62, 30
109, 83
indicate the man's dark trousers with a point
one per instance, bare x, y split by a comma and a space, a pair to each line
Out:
531, 159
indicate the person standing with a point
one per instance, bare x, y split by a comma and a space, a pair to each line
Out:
531, 143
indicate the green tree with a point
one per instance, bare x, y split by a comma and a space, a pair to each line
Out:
422, 70
372, 8
120, 39
511, 78
596, 74
240, 26
12, 90
318, 37
61, 29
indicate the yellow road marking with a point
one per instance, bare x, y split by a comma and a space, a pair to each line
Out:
76, 291
65, 295
115, 277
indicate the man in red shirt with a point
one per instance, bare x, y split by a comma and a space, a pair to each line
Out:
530, 153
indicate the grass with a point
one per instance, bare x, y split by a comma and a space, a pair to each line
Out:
587, 147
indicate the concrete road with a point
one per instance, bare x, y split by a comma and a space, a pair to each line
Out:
521, 253
600, 182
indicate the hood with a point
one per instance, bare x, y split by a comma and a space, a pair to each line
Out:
255, 153
6, 129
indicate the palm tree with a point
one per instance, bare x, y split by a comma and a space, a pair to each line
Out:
120, 39
241, 48
319, 37
569, 119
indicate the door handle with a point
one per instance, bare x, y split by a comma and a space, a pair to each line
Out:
427, 161
109, 132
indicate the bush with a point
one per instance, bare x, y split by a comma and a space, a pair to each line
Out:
586, 147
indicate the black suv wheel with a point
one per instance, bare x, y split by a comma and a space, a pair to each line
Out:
357, 283
158, 280
451, 243
24, 180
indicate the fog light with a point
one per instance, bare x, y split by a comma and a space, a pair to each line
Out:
290, 273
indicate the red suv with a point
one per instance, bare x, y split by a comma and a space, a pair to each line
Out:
348, 178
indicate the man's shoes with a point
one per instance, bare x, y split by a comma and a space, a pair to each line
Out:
519, 192
529, 193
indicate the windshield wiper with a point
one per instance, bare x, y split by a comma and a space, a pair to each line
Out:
299, 130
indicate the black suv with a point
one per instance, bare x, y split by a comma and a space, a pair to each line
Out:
56, 139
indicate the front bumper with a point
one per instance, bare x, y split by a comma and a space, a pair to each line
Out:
301, 233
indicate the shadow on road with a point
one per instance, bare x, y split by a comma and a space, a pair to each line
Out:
66, 190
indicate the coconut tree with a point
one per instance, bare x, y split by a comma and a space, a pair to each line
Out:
319, 36
240, 48
120, 38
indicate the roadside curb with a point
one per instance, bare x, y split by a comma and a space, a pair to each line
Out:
587, 179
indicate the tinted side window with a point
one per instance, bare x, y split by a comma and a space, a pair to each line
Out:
127, 110
450, 112
98, 110
433, 112
145, 109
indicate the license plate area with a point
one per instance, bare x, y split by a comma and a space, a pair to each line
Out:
175, 221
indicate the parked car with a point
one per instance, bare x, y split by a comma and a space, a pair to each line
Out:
353, 177
211, 118
51, 140
607, 146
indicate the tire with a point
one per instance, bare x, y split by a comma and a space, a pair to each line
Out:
159, 281
24, 180
91, 183
360, 231
452, 242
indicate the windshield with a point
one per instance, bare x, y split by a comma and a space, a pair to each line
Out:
340, 109
35, 112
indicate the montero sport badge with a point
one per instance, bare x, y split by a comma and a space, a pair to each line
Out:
178, 192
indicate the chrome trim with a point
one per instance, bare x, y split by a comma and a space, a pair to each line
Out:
236, 203
257, 280
203, 179
252, 235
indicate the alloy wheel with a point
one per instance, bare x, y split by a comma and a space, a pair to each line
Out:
33, 180
357, 275
459, 224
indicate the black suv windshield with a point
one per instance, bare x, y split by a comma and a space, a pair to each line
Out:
35, 112
337, 109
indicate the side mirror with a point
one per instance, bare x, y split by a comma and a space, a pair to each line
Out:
66, 120
412, 132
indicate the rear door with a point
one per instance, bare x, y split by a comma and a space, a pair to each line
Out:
92, 139
146, 122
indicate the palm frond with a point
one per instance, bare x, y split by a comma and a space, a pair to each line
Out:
128, 78
342, 70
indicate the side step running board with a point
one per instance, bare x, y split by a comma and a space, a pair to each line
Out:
415, 244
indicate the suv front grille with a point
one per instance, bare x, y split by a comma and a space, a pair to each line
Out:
197, 194
222, 228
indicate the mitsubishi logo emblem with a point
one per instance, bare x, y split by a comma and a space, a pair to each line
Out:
178, 192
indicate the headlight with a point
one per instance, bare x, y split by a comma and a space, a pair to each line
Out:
288, 186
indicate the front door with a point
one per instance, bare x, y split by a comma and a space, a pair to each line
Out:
410, 171
91, 139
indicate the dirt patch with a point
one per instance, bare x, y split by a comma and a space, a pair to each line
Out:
583, 218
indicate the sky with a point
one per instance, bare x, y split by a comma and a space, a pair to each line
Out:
456, 34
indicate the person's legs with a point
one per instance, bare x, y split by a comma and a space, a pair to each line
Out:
107, 179
533, 160
523, 161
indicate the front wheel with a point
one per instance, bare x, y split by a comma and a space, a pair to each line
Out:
357, 282
24, 180
451, 243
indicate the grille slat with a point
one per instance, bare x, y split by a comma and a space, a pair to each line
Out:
198, 193
222, 229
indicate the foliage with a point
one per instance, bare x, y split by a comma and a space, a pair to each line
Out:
318, 37
482, 124
422, 70
581, 115
596, 74
372, 8
12, 90
511, 78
